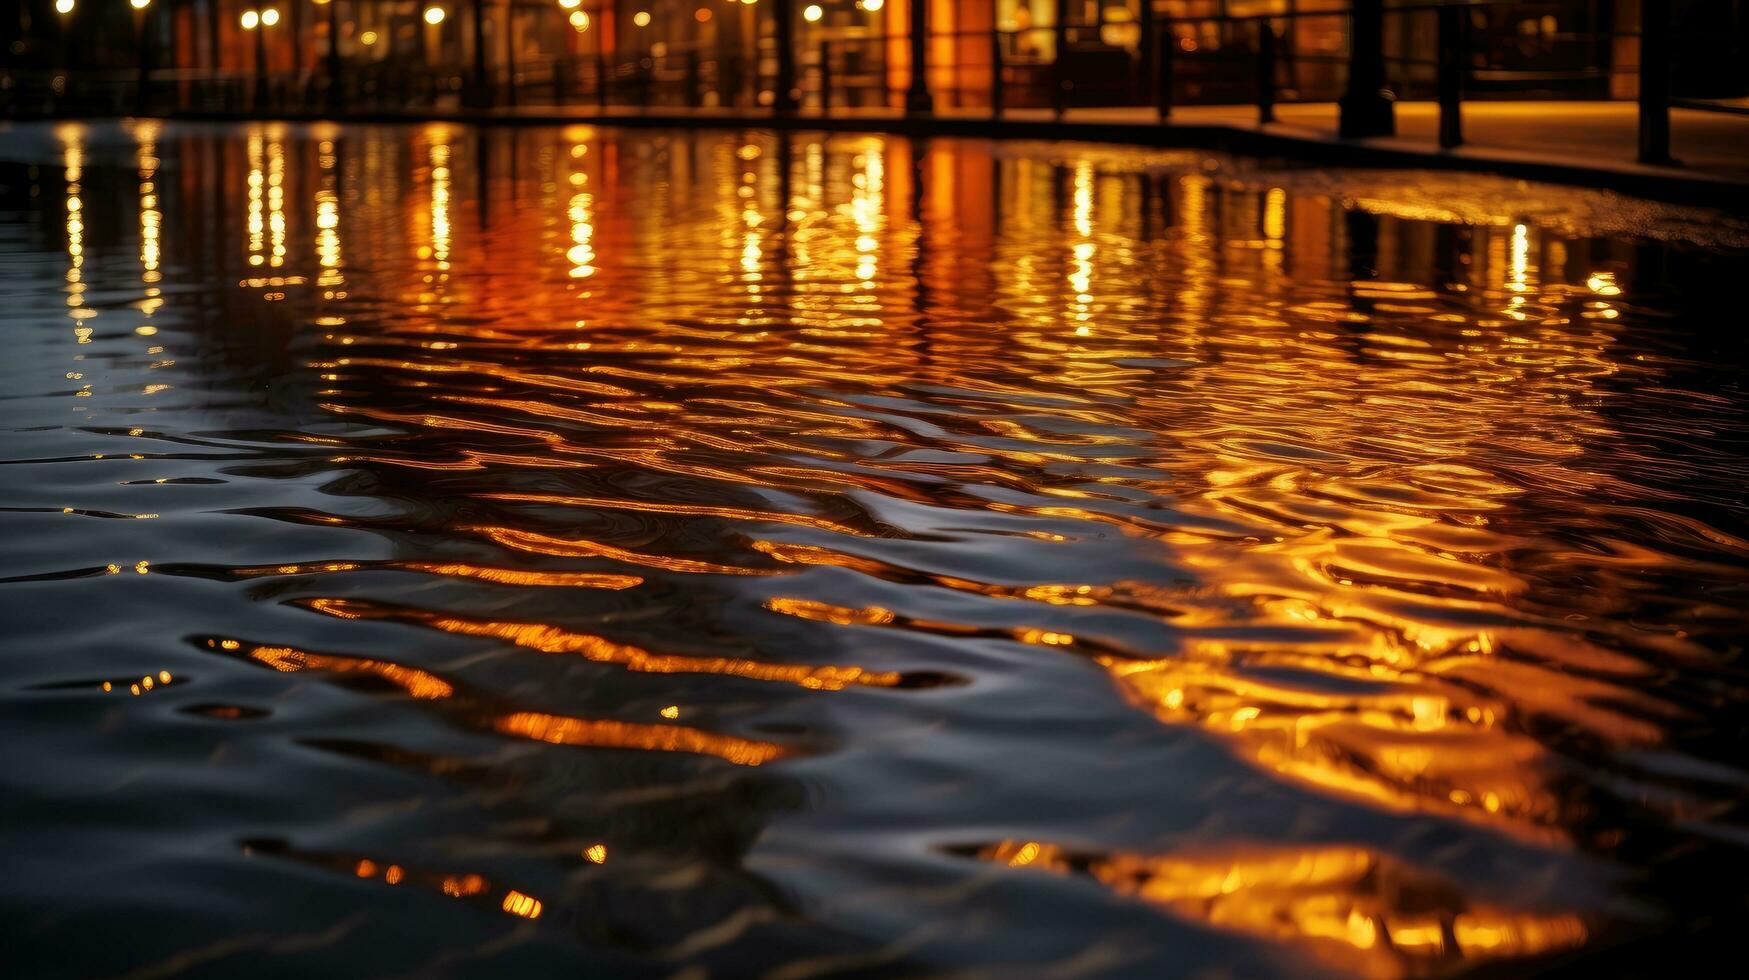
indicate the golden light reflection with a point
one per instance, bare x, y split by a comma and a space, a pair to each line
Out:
439, 152
265, 220
627, 735
538, 726
581, 252
552, 639
151, 217
1357, 910
73, 164
1313, 487
328, 248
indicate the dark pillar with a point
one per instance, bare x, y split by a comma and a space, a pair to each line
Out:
295, 20
510, 53
1654, 82
1165, 46
141, 97
1265, 71
260, 33
482, 87
1145, 54
917, 97
1452, 55
1366, 105
783, 96
334, 91
996, 94
1060, 82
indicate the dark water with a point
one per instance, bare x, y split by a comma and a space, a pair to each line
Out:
451, 552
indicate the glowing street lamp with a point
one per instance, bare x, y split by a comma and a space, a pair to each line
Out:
434, 15
579, 20
812, 13
63, 6
143, 34
873, 5
259, 21
641, 18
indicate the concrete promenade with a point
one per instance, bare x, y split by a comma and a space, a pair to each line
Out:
1586, 143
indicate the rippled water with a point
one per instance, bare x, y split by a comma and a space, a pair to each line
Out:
443, 551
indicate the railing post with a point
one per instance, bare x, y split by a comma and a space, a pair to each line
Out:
1366, 105
1654, 82
509, 52
1059, 79
825, 78
1165, 45
260, 71
481, 96
1452, 55
1146, 54
1265, 71
601, 60
996, 72
142, 97
335, 99
783, 99
918, 101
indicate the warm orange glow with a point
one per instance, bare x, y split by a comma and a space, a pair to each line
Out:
1358, 911
626, 735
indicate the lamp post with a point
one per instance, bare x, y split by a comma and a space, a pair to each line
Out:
258, 21
482, 88
1366, 107
65, 9
333, 57
143, 34
783, 98
918, 101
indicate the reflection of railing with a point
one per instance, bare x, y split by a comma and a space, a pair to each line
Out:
1156, 61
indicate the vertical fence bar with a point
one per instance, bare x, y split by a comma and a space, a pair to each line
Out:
335, 96
601, 58
1265, 71
917, 98
1452, 54
825, 77
1165, 44
1145, 55
996, 93
509, 52
480, 94
1654, 82
1060, 78
1366, 108
783, 95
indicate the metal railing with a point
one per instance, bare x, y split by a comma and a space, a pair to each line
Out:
1162, 63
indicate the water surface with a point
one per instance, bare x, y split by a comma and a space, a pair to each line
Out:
437, 551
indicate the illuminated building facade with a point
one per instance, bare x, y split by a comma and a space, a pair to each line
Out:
850, 53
